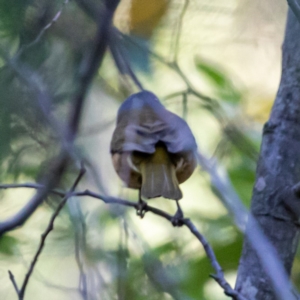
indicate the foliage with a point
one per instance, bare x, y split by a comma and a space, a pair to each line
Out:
117, 256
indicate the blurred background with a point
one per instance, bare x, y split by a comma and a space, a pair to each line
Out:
214, 63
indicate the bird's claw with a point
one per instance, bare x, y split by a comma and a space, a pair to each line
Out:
141, 208
178, 219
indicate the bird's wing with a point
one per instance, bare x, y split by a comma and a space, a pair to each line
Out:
136, 136
140, 129
177, 136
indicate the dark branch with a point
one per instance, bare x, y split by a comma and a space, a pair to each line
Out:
12, 279
43, 31
49, 228
88, 72
146, 208
219, 276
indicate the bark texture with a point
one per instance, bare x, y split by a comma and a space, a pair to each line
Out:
273, 202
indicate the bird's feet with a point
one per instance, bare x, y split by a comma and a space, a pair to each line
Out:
141, 208
177, 219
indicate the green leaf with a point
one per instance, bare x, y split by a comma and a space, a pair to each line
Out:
8, 244
12, 14
136, 50
199, 269
220, 81
165, 248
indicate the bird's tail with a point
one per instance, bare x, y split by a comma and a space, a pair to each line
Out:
159, 176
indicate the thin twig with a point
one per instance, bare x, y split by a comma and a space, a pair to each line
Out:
208, 249
219, 276
88, 71
50, 181
42, 32
80, 239
184, 106
12, 279
46, 232
230, 199
271, 263
121, 58
179, 29
90, 65
35, 186
209, 103
176, 94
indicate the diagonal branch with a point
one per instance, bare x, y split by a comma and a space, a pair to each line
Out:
49, 228
88, 71
43, 31
261, 245
222, 187
219, 276
12, 279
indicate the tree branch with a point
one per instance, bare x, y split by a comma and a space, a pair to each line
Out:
257, 238
49, 228
219, 277
209, 103
12, 279
42, 32
88, 71
179, 29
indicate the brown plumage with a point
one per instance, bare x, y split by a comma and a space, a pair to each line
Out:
158, 173
152, 149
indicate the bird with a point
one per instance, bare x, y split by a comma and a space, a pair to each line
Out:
153, 150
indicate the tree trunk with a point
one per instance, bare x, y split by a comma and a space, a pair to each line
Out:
273, 202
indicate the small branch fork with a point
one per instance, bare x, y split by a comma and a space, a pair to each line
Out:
21, 292
219, 276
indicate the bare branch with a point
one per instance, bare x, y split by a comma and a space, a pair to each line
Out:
88, 71
179, 28
12, 279
80, 243
43, 31
35, 186
49, 182
259, 242
219, 276
188, 223
49, 228
225, 191
209, 103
